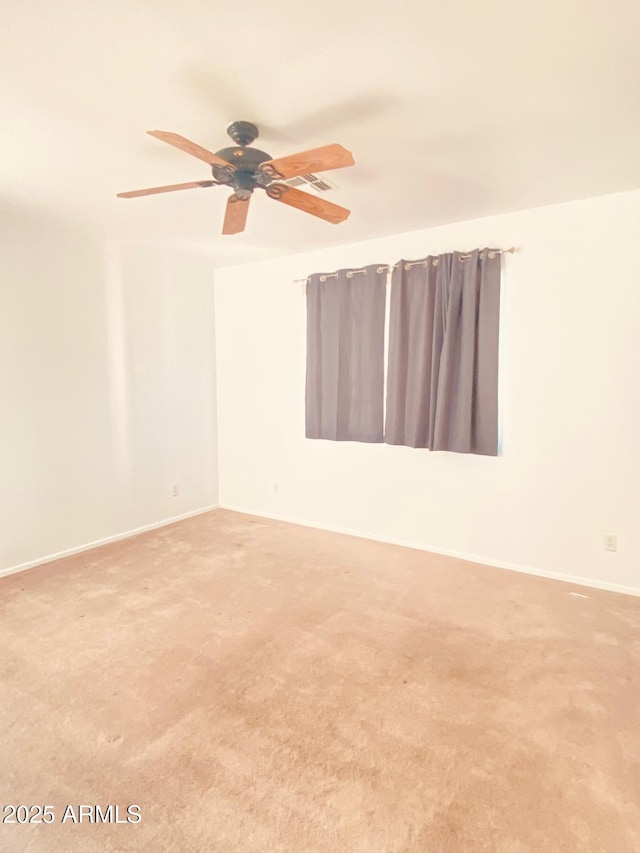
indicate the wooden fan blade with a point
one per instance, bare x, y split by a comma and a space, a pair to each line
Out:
169, 189
316, 160
190, 147
235, 217
310, 204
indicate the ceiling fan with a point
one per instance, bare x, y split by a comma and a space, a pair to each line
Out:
246, 169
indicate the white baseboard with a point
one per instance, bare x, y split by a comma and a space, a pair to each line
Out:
22, 567
472, 558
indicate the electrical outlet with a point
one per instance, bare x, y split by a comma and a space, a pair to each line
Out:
175, 490
276, 488
610, 542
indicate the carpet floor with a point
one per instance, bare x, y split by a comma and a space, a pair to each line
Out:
259, 686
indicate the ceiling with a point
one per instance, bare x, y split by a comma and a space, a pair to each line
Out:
453, 110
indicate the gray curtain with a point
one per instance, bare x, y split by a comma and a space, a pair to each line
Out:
442, 383
345, 355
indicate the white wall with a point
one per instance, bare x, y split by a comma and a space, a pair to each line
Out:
107, 382
570, 402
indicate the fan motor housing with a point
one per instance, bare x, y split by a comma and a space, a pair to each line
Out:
243, 158
246, 161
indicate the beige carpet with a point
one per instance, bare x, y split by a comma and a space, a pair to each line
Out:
258, 686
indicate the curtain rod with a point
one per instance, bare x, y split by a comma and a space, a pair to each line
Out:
387, 267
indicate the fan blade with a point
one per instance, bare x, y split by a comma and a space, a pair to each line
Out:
190, 147
169, 189
235, 217
305, 201
316, 160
